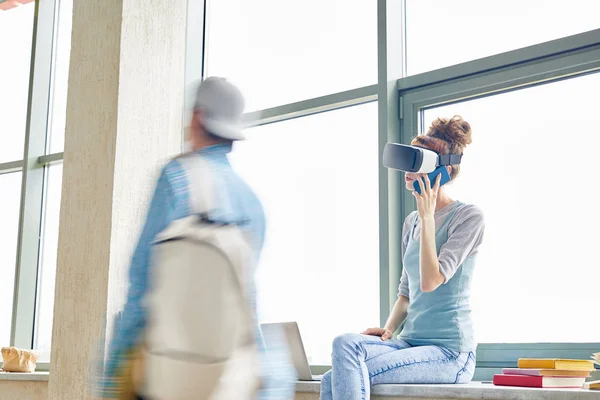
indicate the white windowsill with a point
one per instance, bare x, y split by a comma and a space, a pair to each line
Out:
475, 390
34, 376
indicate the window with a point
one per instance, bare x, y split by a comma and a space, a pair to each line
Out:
47, 270
32, 136
16, 31
53, 183
284, 52
318, 180
315, 163
529, 169
293, 52
531, 156
280, 52
10, 186
56, 133
441, 33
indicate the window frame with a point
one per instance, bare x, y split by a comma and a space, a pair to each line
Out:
553, 61
325, 103
33, 167
558, 59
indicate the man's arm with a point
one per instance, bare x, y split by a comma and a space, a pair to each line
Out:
128, 328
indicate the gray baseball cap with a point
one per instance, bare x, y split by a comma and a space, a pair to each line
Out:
222, 105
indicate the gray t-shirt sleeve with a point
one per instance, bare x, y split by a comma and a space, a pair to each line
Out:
406, 228
403, 288
465, 235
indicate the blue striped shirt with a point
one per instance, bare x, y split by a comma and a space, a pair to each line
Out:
237, 202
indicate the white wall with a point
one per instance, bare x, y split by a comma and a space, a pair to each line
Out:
23, 390
123, 120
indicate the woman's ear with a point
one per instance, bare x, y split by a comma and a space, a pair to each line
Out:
449, 168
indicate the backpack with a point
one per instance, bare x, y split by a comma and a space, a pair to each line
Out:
200, 338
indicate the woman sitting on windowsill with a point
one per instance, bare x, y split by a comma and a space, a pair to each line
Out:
440, 242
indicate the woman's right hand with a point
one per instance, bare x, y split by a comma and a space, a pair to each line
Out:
385, 334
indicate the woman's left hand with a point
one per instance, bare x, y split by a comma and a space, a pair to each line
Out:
427, 200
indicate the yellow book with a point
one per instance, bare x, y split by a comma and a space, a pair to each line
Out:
593, 385
565, 372
556, 363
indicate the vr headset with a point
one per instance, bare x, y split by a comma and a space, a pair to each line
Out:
416, 159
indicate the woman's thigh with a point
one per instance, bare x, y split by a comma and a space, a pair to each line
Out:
423, 364
365, 347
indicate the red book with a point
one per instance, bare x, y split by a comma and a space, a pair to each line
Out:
538, 381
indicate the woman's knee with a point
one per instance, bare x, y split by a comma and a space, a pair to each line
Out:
326, 380
346, 341
326, 388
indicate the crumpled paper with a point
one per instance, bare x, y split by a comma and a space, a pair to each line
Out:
18, 360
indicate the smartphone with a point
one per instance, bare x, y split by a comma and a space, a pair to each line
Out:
433, 176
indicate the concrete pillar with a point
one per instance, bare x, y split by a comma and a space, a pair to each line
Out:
124, 119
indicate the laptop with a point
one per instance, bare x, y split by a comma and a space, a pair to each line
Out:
294, 340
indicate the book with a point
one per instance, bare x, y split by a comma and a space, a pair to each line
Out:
545, 372
556, 363
596, 358
538, 381
593, 385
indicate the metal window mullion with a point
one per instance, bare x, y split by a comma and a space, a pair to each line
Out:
495, 82
510, 80
510, 59
304, 108
391, 65
50, 158
409, 128
10, 167
194, 57
28, 246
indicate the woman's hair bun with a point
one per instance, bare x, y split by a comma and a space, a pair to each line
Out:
454, 131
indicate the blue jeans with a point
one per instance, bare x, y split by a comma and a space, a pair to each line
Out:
359, 361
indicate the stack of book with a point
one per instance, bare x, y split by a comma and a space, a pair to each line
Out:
546, 373
594, 385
